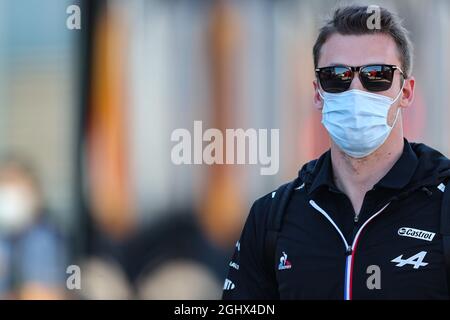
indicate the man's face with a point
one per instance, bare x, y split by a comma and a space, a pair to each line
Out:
359, 50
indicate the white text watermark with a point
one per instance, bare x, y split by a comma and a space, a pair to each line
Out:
241, 146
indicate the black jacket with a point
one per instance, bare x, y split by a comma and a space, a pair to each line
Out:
393, 250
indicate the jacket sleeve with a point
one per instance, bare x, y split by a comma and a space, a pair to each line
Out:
248, 276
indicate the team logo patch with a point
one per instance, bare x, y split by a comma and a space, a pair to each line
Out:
284, 262
416, 260
416, 233
228, 285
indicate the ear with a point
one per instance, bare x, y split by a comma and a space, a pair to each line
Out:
408, 92
318, 102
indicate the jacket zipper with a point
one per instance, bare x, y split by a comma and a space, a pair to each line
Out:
350, 250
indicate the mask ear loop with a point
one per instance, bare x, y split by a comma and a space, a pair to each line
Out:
398, 108
399, 94
318, 90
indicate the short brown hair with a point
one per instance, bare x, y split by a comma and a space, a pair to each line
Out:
352, 20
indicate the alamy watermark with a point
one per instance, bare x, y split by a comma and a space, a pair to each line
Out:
374, 279
374, 20
73, 281
241, 146
73, 21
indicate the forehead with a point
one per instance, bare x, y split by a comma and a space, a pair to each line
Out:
357, 50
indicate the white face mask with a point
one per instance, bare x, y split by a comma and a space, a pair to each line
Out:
16, 209
357, 120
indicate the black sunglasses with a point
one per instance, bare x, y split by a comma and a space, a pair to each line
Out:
374, 77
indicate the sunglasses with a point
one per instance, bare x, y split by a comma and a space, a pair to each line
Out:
374, 77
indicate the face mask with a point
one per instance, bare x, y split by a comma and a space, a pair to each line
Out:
357, 120
16, 210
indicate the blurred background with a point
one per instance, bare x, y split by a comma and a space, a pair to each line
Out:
86, 117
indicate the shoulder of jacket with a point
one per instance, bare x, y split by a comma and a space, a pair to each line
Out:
262, 205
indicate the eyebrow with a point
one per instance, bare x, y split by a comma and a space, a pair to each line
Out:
334, 64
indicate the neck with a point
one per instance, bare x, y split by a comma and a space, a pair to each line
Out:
355, 177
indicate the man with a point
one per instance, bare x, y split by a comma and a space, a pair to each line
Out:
364, 220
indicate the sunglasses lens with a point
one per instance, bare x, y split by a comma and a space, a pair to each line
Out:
377, 77
335, 79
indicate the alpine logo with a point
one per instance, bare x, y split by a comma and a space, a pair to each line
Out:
416, 233
284, 262
416, 261
228, 285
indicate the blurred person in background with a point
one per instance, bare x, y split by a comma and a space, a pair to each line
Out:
32, 250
